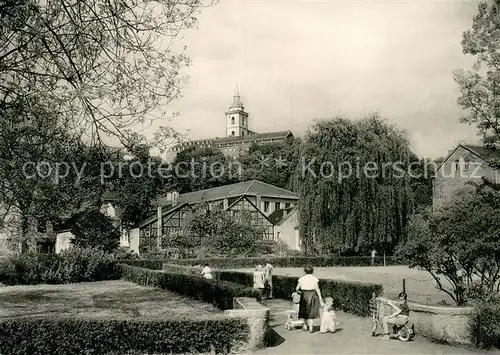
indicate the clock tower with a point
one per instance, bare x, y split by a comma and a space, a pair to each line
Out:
236, 118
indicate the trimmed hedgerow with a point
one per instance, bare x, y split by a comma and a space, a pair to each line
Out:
351, 297
153, 264
484, 325
218, 293
72, 336
70, 266
295, 261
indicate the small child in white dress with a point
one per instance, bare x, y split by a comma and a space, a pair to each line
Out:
328, 317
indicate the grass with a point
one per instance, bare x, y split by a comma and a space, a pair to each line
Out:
420, 286
97, 299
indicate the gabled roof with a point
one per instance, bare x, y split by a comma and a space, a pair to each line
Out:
485, 153
247, 188
255, 136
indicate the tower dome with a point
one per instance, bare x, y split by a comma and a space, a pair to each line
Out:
237, 104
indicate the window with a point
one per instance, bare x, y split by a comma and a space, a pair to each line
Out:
243, 121
466, 164
232, 133
242, 133
232, 120
266, 206
277, 205
287, 205
457, 165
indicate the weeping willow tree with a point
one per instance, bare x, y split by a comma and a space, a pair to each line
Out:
355, 187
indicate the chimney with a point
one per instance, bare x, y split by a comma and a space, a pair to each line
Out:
172, 197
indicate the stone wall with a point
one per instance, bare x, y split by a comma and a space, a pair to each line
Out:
442, 324
257, 317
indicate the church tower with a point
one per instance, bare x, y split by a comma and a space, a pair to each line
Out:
236, 118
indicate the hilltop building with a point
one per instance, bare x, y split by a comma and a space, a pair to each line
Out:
238, 137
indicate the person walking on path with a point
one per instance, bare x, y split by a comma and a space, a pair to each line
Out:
268, 277
258, 280
374, 253
310, 298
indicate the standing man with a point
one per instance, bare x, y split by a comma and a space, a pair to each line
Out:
268, 277
374, 253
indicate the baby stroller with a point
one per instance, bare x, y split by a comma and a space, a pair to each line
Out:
292, 315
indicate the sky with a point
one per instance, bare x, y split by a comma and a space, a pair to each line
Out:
298, 61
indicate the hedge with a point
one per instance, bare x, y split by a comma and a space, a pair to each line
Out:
78, 335
218, 293
352, 297
153, 264
70, 266
294, 261
484, 325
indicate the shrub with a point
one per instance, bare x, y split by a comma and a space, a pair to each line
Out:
351, 297
484, 324
236, 263
72, 265
55, 335
218, 293
125, 253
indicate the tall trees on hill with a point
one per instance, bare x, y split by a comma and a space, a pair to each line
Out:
272, 163
354, 185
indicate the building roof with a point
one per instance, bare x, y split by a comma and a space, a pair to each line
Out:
486, 153
248, 188
255, 136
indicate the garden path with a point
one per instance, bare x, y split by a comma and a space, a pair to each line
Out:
352, 337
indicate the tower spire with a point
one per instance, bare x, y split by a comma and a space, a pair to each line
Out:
236, 98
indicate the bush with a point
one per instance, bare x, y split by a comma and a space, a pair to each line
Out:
125, 253
55, 335
72, 265
233, 263
351, 297
218, 293
484, 324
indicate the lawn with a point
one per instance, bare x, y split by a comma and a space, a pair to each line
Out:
420, 285
97, 299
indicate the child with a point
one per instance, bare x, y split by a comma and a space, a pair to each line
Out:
328, 318
296, 301
375, 314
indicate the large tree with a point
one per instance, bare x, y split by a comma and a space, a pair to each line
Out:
480, 85
107, 64
354, 187
46, 172
460, 244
